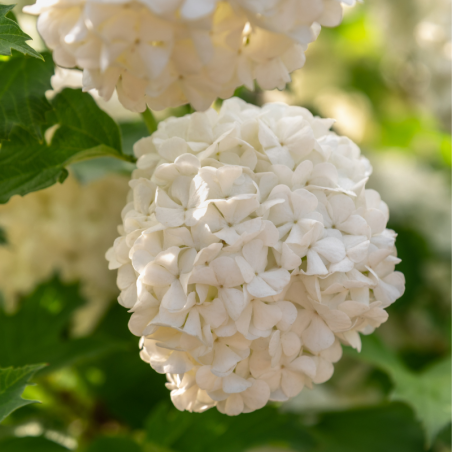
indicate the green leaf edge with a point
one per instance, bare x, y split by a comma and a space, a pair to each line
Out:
4, 10
24, 378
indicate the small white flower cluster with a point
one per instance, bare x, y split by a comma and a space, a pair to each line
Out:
166, 53
250, 253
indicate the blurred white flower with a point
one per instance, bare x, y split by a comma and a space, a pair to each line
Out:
166, 54
249, 251
416, 194
64, 228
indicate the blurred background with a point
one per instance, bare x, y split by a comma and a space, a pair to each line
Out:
384, 75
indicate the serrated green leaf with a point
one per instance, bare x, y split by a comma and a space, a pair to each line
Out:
23, 83
12, 384
38, 331
427, 392
83, 131
12, 37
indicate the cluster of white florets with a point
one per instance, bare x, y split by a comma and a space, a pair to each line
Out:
250, 250
166, 53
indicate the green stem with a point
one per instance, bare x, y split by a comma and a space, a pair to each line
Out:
149, 120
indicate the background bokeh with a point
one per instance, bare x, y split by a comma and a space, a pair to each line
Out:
384, 75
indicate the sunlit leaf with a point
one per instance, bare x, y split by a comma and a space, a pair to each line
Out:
12, 37
13, 381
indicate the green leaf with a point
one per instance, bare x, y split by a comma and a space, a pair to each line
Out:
82, 131
170, 429
12, 37
23, 83
428, 392
38, 331
149, 120
12, 385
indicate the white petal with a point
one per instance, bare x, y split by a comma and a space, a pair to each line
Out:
234, 405
291, 343
234, 301
227, 272
257, 395
289, 315
305, 365
175, 298
265, 315
224, 360
317, 336
155, 275
233, 383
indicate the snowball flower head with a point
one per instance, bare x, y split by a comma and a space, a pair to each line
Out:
250, 251
166, 53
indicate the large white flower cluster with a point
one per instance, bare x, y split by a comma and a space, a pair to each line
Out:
249, 251
165, 53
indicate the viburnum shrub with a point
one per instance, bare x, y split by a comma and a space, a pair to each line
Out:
250, 250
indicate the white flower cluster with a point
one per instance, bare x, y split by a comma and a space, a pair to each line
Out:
165, 53
66, 229
250, 253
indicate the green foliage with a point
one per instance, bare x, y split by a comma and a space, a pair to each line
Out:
74, 127
12, 384
212, 430
428, 392
38, 331
12, 37
81, 131
389, 428
28, 444
23, 83
141, 387
114, 444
